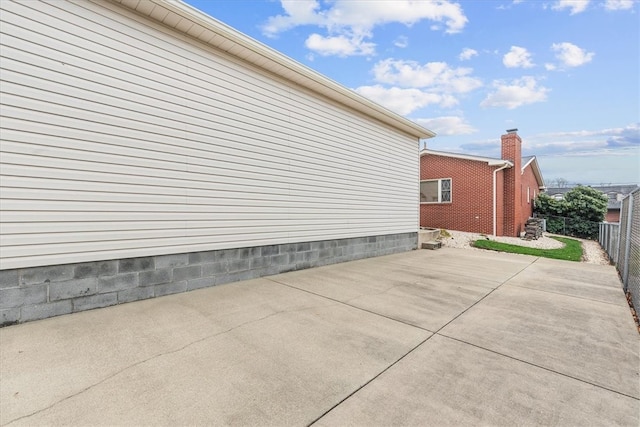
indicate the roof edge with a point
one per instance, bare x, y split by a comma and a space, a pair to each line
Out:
246, 48
537, 172
490, 161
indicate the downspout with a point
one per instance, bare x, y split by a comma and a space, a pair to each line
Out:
495, 200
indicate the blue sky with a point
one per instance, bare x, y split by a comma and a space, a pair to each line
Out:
565, 73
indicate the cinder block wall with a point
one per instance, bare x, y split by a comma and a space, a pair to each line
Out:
40, 292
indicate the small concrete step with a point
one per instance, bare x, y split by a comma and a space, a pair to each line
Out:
433, 244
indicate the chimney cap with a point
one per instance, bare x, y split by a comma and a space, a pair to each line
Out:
514, 130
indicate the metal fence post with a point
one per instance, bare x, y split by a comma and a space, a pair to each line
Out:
627, 249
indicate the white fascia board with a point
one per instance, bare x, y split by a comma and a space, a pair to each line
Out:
488, 160
537, 172
259, 54
535, 168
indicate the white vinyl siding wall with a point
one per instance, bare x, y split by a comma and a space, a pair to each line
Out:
122, 138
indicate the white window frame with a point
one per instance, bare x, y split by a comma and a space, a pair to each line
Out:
439, 181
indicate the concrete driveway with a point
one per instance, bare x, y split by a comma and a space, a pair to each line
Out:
445, 337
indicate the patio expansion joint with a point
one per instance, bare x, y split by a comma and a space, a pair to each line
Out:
411, 350
504, 282
148, 359
459, 273
538, 366
346, 303
568, 295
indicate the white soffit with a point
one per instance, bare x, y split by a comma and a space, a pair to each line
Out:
189, 20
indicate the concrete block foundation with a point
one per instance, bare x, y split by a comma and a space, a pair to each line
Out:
40, 292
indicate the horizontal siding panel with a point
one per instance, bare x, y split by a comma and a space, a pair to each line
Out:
228, 198
308, 164
107, 208
252, 183
179, 242
13, 94
314, 110
47, 258
167, 234
46, 189
121, 138
186, 227
229, 215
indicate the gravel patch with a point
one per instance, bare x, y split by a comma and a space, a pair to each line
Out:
592, 252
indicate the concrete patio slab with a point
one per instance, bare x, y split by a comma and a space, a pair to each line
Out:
248, 353
419, 288
417, 296
570, 335
347, 344
449, 383
472, 264
596, 282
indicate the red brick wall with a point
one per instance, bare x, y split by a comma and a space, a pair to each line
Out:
528, 182
613, 215
512, 151
471, 194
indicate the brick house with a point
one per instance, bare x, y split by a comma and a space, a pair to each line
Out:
479, 194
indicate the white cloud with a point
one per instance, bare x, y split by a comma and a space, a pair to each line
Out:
404, 101
434, 75
592, 140
401, 42
339, 45
571, 55
575, 6
447, 125
357, 19
297, 12
618, 4
517, 57
515, 94
467, 54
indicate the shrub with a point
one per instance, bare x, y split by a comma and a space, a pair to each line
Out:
578, 214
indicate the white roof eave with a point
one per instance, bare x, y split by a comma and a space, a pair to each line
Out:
489, 161
260, 55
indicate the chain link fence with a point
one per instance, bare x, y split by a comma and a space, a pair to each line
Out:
573, 227
609, 239
622, 244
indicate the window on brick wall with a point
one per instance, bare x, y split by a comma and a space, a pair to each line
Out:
435, 191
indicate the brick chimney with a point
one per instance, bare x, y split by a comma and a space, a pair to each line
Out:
512, 151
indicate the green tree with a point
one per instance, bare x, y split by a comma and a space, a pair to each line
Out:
588, 208
578, 214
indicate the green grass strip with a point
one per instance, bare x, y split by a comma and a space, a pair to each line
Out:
572, 250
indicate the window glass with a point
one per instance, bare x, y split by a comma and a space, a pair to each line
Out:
435, 191
445, 194
429, 191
